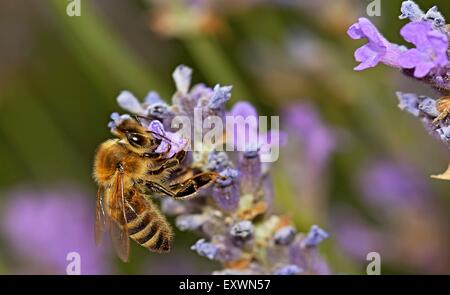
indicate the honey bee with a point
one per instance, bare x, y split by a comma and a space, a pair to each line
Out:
128, 172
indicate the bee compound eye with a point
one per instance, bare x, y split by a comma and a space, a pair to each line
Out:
136, 139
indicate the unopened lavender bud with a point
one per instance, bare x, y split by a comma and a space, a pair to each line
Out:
251, 151
315, 236
117, 119
428, 106
411, 11
227, 177
190, 222
243, 229
250, 170
436, 17
218, 161
182, 77
291, 270
158, 110
115, 116
205, 249
444, 133
285, 235
226, 191
220, 96
153, 97
408, 102
129, 102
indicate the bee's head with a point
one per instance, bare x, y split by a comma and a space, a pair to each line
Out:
132, 134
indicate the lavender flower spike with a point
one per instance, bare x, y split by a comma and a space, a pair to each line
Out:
430, 52
377, 50
234, 214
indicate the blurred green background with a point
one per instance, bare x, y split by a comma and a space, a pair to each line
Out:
60, 75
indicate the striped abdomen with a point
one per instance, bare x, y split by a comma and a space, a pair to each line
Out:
146, 225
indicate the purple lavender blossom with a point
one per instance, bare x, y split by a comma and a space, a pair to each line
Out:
177, 143
426, 31
43, 226
430, 52
377, 50
234, 215
430, 61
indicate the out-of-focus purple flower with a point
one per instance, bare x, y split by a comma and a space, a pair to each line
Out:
315, 236
430, 52
386, 185
248, 138
307, 258
43, 226
377, 50
354, 235
244, 137
317, 139
190, 221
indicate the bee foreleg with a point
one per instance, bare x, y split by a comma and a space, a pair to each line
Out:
172, 162
157, 188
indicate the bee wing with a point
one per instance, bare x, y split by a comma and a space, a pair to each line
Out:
100, 218
118, 228
119, 237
